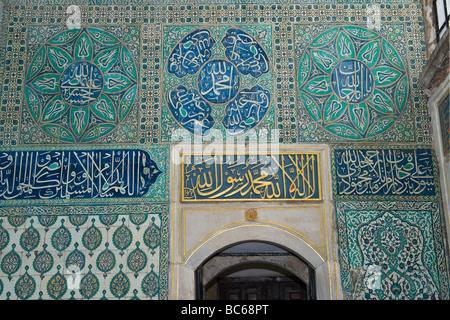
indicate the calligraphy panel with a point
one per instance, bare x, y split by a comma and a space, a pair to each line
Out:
65, 174
217, 77
81, 85
353, 83
384, 173
284, 176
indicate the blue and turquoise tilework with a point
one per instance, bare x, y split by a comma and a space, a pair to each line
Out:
218, 77
134, 72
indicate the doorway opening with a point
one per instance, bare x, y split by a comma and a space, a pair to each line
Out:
255, 270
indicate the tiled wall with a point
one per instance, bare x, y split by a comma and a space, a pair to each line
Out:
328, 72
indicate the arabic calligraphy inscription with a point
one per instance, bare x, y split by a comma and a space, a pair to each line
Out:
69, 174
284, 176
384, 172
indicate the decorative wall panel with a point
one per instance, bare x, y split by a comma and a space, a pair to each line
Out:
353, 83
88, 252
392, 250
217, 77
134, 73
81, 84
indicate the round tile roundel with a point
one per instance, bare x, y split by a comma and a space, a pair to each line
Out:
80, 85
352, 82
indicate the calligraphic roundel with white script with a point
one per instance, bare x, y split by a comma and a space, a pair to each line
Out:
352, 82
81, 84
218, 81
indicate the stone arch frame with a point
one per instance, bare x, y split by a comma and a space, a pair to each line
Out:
285, 262
185, 279
199, 230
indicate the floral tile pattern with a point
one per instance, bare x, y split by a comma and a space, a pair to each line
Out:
392, 250
120, 253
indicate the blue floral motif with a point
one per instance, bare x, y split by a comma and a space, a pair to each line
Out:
120, 284
11, 262
92, 237
106, 260
89, 284
150, 284
57, 285
29, 239
152, 236
61, 238
122, 237
25, 286
137, 260
43, 261
75, 259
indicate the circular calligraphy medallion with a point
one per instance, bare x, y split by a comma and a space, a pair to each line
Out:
218, 81
199, 81
352, 81
81, 83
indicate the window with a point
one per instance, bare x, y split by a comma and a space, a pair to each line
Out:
442, 10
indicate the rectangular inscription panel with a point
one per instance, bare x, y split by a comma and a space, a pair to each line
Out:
74, 174
393, 172
284, 176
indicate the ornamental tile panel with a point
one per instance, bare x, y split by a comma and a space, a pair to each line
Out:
132, 74
217, 77
353, 83
392, 250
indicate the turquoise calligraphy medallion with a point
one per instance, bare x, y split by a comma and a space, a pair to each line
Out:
352, 82
81, 85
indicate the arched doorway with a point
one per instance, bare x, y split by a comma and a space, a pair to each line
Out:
255, 270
